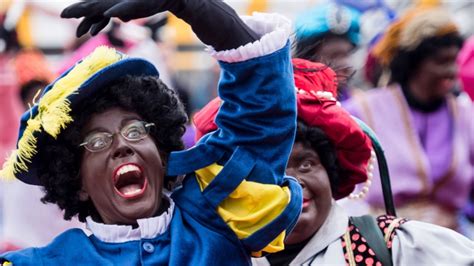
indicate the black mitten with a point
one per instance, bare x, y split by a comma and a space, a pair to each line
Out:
213, 21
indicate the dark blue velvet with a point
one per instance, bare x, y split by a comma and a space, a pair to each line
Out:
257, 124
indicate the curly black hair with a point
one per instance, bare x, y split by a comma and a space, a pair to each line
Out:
60, 159
405, 62
315, 138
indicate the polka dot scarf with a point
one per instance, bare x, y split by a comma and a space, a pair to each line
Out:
356, 249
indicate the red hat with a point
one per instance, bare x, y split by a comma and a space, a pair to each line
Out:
316, 86
31, 65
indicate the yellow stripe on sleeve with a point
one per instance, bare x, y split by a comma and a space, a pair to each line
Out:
250, 206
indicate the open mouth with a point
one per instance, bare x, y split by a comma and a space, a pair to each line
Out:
129, 181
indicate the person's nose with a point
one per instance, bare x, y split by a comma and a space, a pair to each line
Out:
292, 172
121, 147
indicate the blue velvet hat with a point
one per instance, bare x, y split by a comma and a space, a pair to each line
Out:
52, 113
322, 19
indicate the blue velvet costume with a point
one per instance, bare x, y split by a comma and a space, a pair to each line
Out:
257, 123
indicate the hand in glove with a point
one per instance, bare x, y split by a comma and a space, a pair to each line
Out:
97, 13
213, 21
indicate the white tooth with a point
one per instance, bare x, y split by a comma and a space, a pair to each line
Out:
127, 168
123, 170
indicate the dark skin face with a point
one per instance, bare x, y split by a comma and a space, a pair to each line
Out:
99, 171
435, 76
336, 51
304, 164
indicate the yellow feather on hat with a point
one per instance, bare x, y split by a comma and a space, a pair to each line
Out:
54, 108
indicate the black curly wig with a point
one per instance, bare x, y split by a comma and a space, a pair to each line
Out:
61, 158
404, 63
316, 139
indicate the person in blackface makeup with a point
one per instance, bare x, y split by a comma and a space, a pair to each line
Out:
330, 155
426, 128
104, 141
330, 33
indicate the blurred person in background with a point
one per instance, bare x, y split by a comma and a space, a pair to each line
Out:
32, 74
329, 33
10, 106
330, 156
373, 12
374, 72
23, 72
426, 130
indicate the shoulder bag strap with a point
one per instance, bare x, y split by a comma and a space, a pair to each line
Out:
371, 232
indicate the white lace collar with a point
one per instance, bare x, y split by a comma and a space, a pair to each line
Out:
147, 227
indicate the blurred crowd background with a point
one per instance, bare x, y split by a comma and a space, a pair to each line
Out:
36, 45
38, 25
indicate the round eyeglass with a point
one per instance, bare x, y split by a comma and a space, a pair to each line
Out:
133, 132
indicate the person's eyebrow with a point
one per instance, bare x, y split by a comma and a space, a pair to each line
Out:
94, 130
306, 154
129, 118
122, 123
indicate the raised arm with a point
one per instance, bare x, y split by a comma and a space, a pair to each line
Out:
258, 99
237, 171
256, 81
256, 124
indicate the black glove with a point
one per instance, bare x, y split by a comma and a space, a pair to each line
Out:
213, 21
97, 13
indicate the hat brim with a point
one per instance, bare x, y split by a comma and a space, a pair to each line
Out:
99, 80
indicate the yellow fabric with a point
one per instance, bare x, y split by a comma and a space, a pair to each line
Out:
5, 6
411, 29
7, 263
429, 3
54, 109
23, 29
257, 6
350, 254
250, 206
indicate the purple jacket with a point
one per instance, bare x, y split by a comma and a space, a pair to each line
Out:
428, 154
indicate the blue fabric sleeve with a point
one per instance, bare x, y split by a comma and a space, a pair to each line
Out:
258, 114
